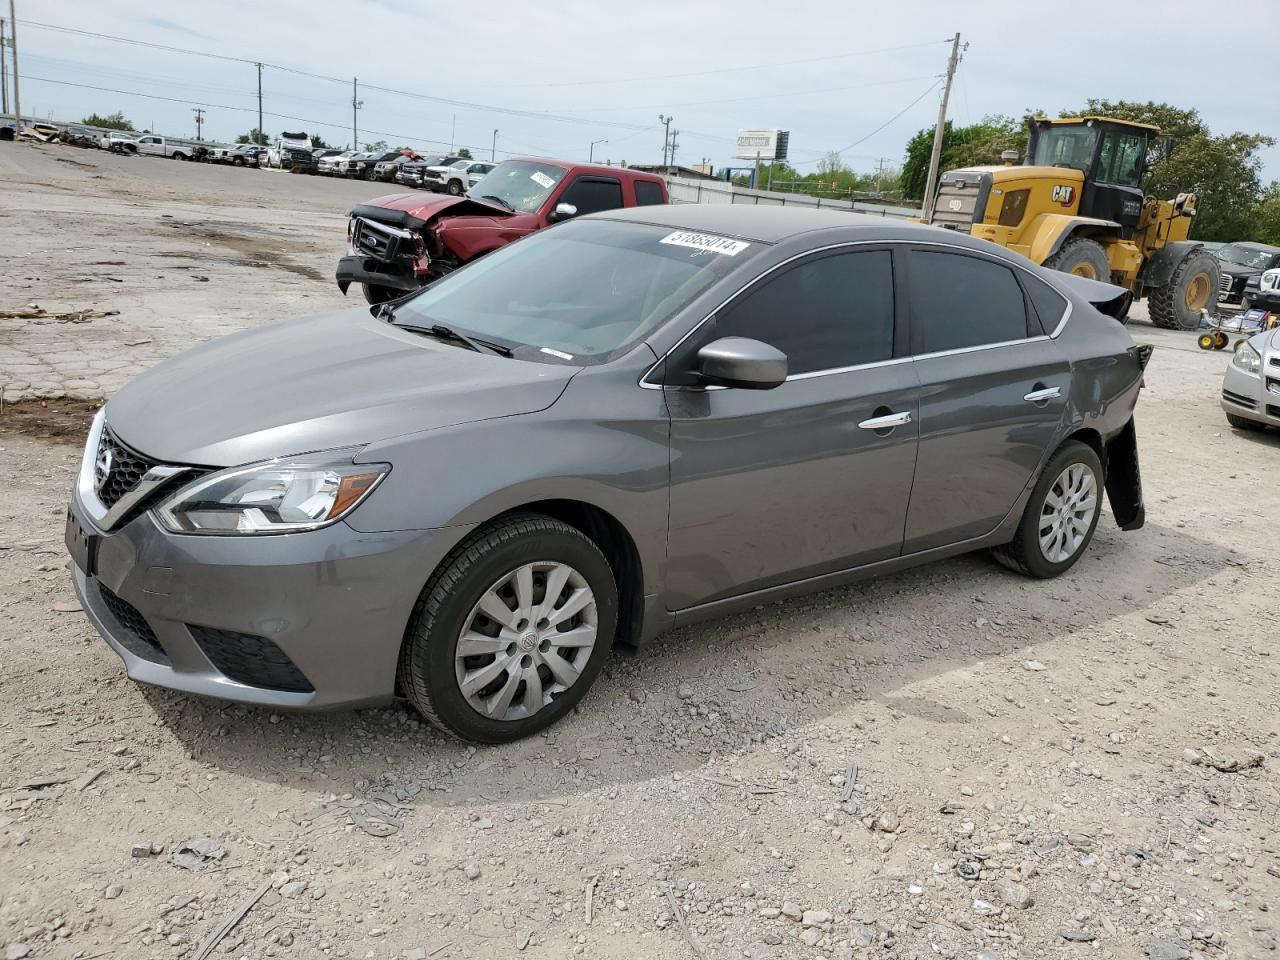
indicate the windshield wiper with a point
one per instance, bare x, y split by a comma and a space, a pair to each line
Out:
490, 196
449, 333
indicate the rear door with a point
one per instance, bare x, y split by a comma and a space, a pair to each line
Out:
993, 390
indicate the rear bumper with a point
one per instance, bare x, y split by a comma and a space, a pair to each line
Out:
357, 269
191, 613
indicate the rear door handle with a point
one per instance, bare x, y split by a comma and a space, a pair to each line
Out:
886, 422
1048, 393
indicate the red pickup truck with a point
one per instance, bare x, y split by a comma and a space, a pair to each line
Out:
399, 243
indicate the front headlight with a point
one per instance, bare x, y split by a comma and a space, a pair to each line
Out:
281, 496
1247, 359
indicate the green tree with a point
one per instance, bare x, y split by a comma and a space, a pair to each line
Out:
317, 142
979, 144
113, 121
253, 136
1223, 171
464, 153
376, 145
1266, 227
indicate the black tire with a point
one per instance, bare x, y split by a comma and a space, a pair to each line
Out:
454, 188
375, 294
427, 667
1170, 305
1083, 257
1023, 553
1244, 423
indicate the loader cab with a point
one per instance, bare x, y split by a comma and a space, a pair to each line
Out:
1112, 155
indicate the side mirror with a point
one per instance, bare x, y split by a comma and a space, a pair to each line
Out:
743, 363
563, 211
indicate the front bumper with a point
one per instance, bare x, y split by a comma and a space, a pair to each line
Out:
191, 613
1255, 398
358, 269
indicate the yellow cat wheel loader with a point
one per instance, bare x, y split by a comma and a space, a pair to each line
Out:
1076, 204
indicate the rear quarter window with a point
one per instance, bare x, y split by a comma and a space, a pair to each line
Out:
1048, 305
649, 194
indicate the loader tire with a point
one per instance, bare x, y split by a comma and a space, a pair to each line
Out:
1083, 258
1192, 288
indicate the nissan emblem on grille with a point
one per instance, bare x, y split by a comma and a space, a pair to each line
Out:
102, 465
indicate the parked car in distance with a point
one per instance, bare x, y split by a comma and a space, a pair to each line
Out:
637, 420
456, 178
328, 165
346, 166
385, 170
118, 142
397, 243
1251, 384
81, 137
412, 174
362, 168
1242, 263
155, 146
320, 154
291, 151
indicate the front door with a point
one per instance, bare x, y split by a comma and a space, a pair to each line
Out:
993, 391
772, 486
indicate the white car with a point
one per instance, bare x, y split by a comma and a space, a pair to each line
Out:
456, 178
329, 165
154, 146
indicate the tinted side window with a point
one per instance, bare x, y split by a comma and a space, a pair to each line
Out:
648, 193
959, 301
830, 312
590, 195
1049, 305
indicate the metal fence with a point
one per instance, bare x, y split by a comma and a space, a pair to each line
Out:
687, 190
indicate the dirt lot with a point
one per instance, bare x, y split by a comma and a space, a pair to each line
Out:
951, 762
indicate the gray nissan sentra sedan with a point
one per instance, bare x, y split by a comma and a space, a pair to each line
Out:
627, 422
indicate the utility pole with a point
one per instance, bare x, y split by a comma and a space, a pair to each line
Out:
356, 104
262, 134
675, 142
591, 151
879, 176
666, 135
493, 150
453, 133
4, 72
931, 184
199, 112
13, 45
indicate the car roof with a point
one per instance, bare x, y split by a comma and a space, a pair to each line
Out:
1254, 245
770, 224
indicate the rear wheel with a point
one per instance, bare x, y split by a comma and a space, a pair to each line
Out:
1178, 304
1060, 517
510, 632
1083, 258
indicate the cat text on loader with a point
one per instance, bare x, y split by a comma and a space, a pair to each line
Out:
1077, 205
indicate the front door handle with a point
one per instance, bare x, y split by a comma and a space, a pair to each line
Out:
1038, 396
886, 422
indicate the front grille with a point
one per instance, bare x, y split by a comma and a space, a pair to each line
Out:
1239, 400
957, 204
253, 661
125, 468
134, 633
1224, 285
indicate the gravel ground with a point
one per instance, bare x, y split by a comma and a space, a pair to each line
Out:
951, 762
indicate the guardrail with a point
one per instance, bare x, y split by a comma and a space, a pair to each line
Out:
687, 190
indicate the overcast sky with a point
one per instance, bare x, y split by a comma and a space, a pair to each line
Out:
831, 73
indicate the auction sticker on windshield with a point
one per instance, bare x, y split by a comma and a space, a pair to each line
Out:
706, 242
542, 180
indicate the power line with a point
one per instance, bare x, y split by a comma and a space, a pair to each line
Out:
773, 96
933, 86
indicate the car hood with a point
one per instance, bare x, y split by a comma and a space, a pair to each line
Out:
427, 208
336, 380
1238, 269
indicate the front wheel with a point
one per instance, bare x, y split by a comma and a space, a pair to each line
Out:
1081, 257
1191, 289
511, 630
1060, 517
376, 294
1244, 423
455, 188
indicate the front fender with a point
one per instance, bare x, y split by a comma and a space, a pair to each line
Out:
1052, 230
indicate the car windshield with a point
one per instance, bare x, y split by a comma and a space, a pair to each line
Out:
1243, 256
581, 292
522, 185
1066, 147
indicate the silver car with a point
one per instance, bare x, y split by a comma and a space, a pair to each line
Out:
628, 422
1251, 385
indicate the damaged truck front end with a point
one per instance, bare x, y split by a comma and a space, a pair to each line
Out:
386, 253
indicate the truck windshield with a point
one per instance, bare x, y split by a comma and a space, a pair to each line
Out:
1066, 147
522, 185
1244, 257
580, 293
